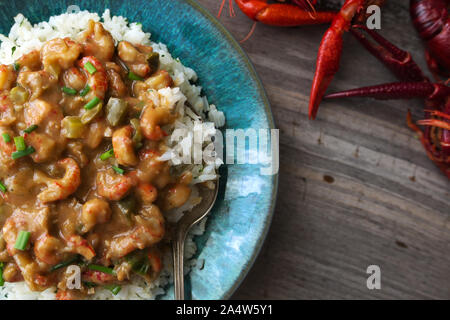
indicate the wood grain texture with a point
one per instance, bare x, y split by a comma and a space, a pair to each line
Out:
356, 187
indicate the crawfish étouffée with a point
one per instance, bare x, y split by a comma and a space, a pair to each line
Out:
80, 176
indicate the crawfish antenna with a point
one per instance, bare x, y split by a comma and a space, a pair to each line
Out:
221, 8
307, 5
249, 34
230, 8
233, 14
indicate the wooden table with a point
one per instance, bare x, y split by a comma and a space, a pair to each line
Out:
356, 187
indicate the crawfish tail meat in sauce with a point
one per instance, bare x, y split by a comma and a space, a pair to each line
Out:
81, 183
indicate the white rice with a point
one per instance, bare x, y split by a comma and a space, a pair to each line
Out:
24, 37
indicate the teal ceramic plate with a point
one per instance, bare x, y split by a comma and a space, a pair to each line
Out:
241, 217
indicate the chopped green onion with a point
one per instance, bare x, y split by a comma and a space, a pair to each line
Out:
139, 262
20, 143
91, 104
89, 284
127, 206
23, 153
2, 281
115, 289
63, 264
103, 269
153, 61
16, 66
69, 91
143, 270
22, 240
18, 95
31, 128
116, 110
3, 187
118, 170
6, 137
106, 155
91, 114
72, 127
85, 90
13, 49
137, 136
139, 107
134, 76
90, 68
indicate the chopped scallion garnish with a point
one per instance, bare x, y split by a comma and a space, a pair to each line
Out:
91, 104
16, 66
69, 91
23, 153
6, 137
22, 240
63, 264
118, 170
85, 90
134, 76
90, 67
13, 49
2, 281
106, 155
20, 143
3, 187
103, 269
89, 284
30, 128
115, 289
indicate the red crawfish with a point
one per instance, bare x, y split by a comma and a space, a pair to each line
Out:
299, 13
293, 14
413, 83
431, 19
303, 12
329, 55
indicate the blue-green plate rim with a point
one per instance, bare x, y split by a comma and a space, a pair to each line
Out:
262, 92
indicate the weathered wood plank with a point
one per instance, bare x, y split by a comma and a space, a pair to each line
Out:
356, 187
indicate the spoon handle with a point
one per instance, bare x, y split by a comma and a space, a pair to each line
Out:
178, 272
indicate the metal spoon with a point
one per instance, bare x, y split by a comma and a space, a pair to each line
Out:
183, 226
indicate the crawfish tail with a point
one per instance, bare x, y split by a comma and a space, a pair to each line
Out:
282, 14
307, 5
395, 59
285, 15
438, 114
435, 123
429, 17
329, 53
432, 20
397, 90
435, 147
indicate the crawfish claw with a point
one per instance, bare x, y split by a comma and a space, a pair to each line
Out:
327, 65
330, 53
395, 59
397, 90
282, 14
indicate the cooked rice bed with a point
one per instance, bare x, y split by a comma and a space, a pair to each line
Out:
23, 37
